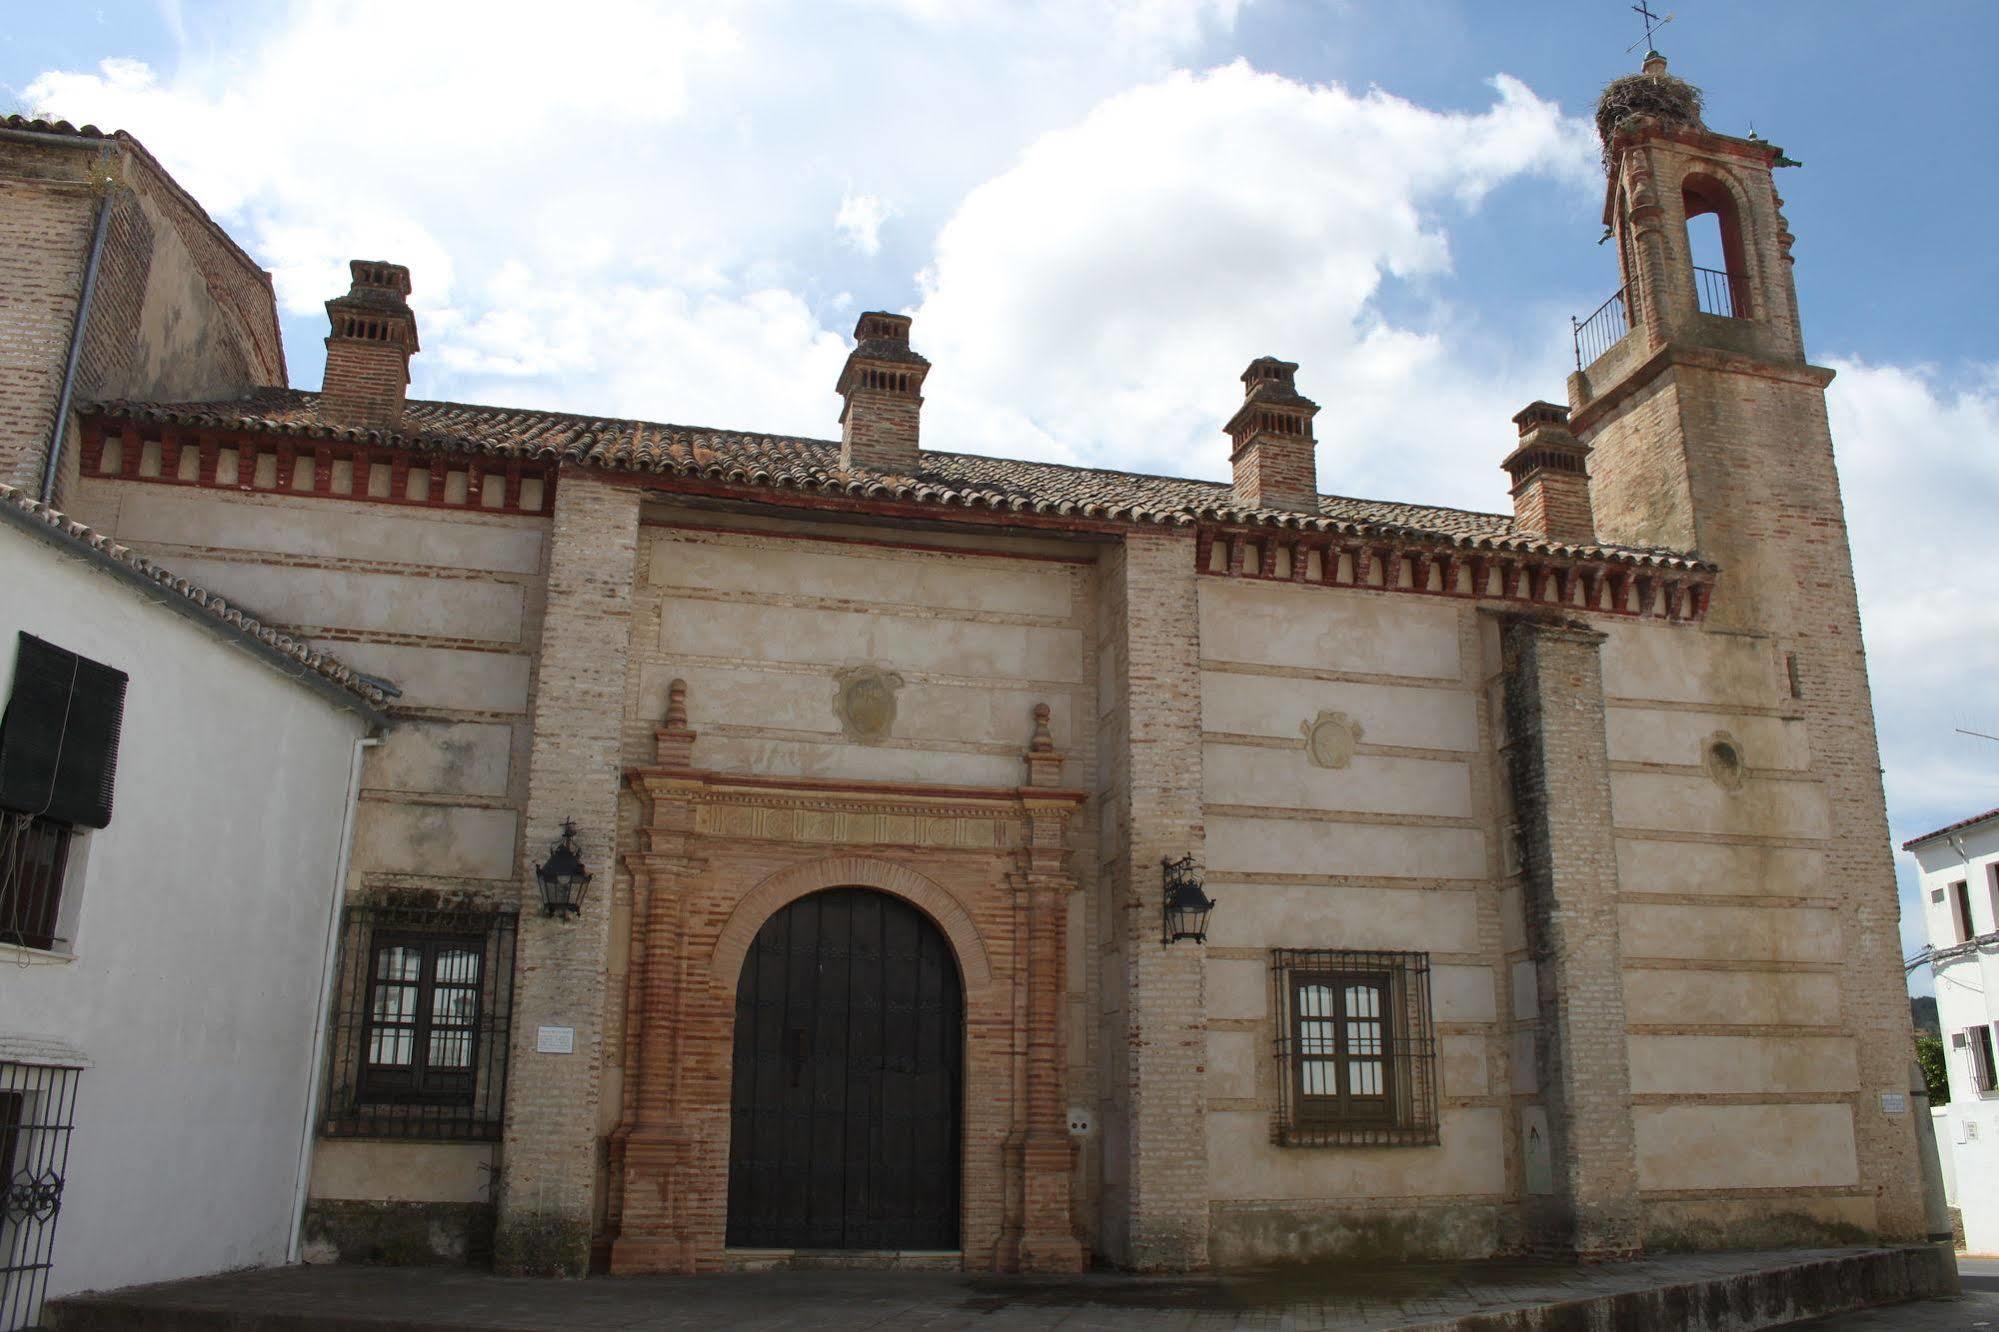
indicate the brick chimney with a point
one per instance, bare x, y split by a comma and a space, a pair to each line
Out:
1550, 479
1275, 456
883, 387
368, 350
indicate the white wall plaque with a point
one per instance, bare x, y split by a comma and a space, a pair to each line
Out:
1894, 1103
555, 1040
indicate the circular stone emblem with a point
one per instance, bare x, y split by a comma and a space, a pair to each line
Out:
1330, 738
864, 701
1721, 755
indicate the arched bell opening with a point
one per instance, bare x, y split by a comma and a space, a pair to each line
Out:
1715, 248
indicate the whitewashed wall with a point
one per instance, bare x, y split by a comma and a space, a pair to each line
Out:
1967, 990
194, 978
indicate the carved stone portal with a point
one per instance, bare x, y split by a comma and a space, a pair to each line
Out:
864, 701
1330, 738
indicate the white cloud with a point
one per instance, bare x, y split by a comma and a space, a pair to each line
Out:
1096, 301
859, 221
663, 171
1919, 469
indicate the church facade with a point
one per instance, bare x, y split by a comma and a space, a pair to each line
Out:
1017, 866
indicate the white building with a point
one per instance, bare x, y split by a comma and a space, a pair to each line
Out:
176, 787
1960, 869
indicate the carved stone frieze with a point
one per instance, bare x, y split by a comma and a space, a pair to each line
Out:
788, 821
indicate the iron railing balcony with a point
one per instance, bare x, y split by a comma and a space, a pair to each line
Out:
1600, 332
1720, 293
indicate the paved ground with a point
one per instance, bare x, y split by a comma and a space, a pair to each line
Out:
1346, 1299
1978, 1307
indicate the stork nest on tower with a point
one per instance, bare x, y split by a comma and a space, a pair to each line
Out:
1665, 96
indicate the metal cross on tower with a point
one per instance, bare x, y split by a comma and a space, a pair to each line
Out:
1653, 22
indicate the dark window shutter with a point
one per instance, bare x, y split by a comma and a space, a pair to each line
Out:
59, 738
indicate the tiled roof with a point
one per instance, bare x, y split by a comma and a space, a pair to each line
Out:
1948, 828
32, 125
60, 530
785, 463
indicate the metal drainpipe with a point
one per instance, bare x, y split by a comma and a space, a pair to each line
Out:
53, 468
316, 1077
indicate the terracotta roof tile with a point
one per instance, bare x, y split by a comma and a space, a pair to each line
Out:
786, 463
1948, 828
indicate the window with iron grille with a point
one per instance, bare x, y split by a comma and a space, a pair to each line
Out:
1356, 1050
418, 1047
58, 767
37, 1105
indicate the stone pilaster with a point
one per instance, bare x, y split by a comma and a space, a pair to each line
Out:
1560, 769
1156, 1171
1045, 1238
548, 1188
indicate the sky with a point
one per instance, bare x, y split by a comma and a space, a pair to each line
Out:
1098, 211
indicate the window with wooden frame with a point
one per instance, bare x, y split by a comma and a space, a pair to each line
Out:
1356, 1048
34, 861
1960, 910
423, 1019
418, 1047
58, 768
1984, 1073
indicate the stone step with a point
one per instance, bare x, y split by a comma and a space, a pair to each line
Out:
1727, 1292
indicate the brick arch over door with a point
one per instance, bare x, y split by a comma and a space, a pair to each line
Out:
787, 886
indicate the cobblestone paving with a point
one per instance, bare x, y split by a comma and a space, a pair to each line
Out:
1345, 1299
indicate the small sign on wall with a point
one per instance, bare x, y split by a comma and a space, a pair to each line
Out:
555, 1040
1894, 1103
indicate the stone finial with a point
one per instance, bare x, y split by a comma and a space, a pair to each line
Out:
673, 741
1043, 742
1550, 472
1044, 762
1273, 452
372, 335
882, 384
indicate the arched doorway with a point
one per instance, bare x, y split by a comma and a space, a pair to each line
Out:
847, 1079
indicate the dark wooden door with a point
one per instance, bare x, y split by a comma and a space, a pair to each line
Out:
849, 1052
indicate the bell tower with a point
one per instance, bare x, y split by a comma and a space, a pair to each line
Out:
1706, 432
1706, 425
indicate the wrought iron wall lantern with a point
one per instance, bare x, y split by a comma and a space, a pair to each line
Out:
562, 876
1186, 906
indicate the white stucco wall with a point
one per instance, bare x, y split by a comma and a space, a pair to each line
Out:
1967, 989
194, 976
